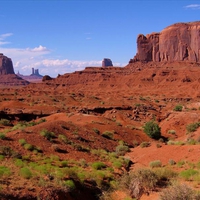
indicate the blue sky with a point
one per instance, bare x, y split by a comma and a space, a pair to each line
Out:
58, 36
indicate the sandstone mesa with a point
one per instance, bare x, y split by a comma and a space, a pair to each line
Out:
178, 42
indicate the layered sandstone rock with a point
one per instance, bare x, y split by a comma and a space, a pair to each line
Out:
178, 42
6, 66
107, 62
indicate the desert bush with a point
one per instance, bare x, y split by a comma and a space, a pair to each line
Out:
135, 143
107, 134
2, 136
19, 163
158, 145
141, 181
155, 163
118, 164
145, 144
41, 121
19, 126
1, 157
173, 132
188, 174
121, 150
152, 129
4, 171
6, 151
47, 134
5, 122
165, 174
192, 127
64, 163
192, 141
96, 130
63, 139
171, 162
181, 163
29, 147
25, 173
22, 142
179, 192
69, 184
98, 165
178, 108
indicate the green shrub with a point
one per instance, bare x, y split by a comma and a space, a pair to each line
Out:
107, 134
19, 163
2, 136
118, 164
22, 142
178, 108
152, 130
69, 184
165, 173
192, 127
4, 171
141, 181
178, 192
145, 144
64, 139
64, 163
5, 122
47, 134
98, 165
1, 157
187, 174
29, 147
155, 163
121, 150
25, 173
181, 163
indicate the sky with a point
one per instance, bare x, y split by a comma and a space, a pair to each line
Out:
63, 36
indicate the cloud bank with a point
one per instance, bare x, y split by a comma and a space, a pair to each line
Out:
39, 57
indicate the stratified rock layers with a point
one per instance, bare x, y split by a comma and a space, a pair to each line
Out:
178, 42
6, 65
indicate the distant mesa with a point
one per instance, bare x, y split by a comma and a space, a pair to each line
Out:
107, 62
178, 42
6, 65
34, 76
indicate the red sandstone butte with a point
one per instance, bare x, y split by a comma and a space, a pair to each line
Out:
178, 42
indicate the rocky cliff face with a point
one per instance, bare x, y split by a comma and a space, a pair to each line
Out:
6, 66
107, 62
178, 42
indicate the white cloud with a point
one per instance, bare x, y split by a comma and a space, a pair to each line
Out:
3, 37
193, 6
2, 43
39, 49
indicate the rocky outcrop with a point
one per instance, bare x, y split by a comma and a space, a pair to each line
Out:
178, 42
6, 66
107, 62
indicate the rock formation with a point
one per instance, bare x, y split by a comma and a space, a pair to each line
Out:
6, 66
178, 42
107, 62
